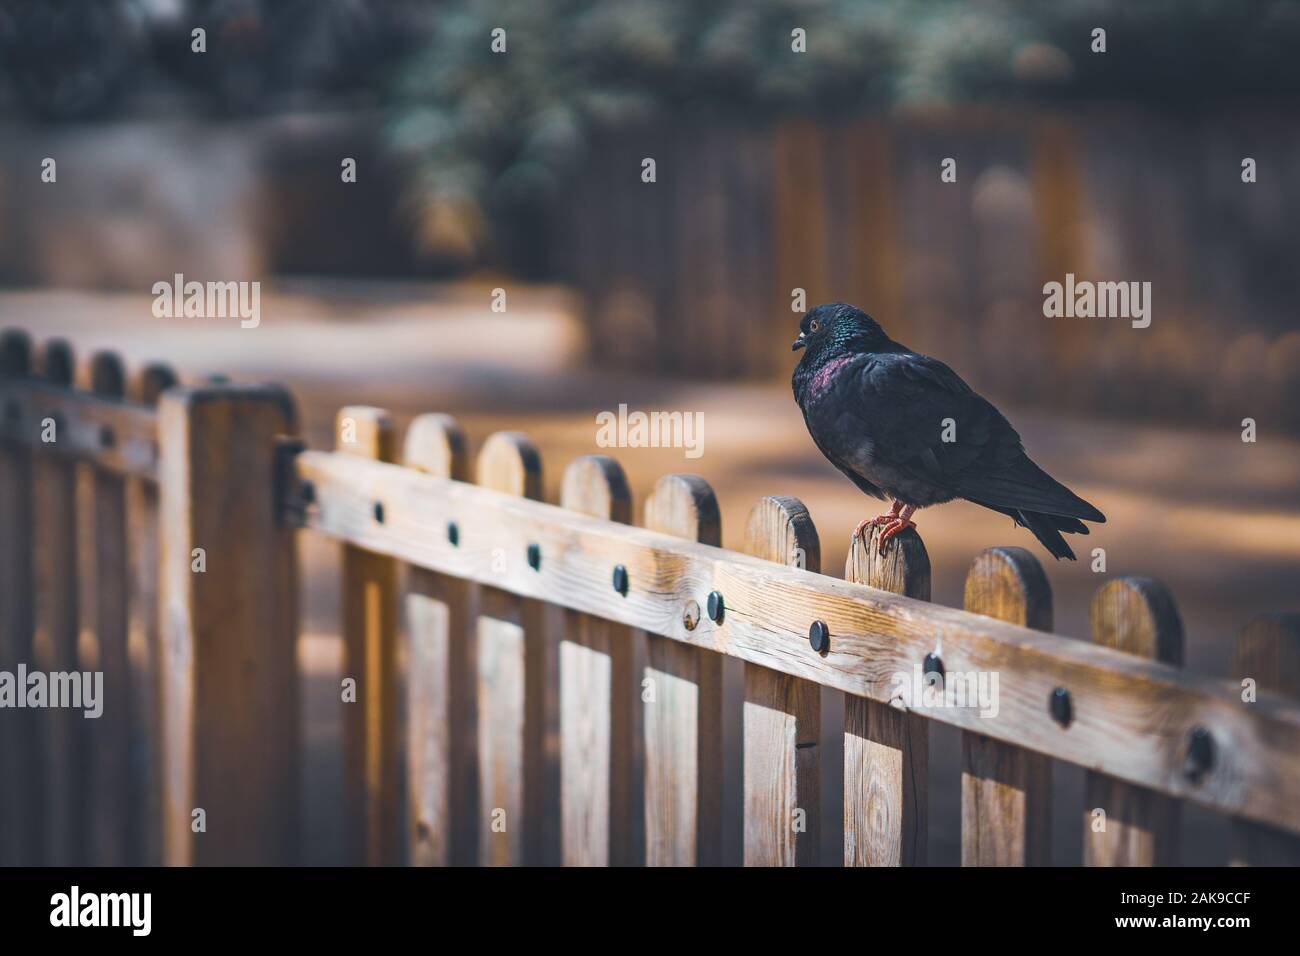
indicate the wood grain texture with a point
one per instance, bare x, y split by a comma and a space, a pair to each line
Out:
229, 688
1141, 828
781, 729
518, 779
111, 837
600, 786
55, 643
20, 793
143, 636
441, 737
1268, 652
1006, 791
682, 712
886, 747
369, 592
1134, 725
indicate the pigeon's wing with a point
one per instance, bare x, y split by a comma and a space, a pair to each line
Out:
929, 427
1020, 484
895, 410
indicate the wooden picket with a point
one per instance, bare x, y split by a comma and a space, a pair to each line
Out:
54, 509
548, 680
143, 531
108, 737
1124, 825
441, 717
683, 716
886, 749
599, 770
1006, 791
782, 718
369, 592
512, 651
20, 803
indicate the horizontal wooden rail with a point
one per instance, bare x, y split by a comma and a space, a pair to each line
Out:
114, 434
1136, 720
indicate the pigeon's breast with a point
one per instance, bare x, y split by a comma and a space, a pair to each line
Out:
825, 376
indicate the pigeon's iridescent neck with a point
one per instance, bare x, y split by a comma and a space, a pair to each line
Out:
822, 378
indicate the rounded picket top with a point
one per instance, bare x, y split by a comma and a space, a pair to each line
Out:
365, 431
435, 444
1010, 585
596, 485
152, 380
685, 506
107, 374
58, 362
1137, 615
509, 462
15, 353
779, 528
904, 568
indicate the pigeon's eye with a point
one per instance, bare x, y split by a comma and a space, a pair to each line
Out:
814, 325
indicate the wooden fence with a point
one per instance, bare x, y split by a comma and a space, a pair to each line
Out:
538, 683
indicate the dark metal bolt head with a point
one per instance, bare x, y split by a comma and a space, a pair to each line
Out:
1200, 754
1060, 707
819, 636
716, 607
379, 512
535, 556
620, 579
932, 669
453, 534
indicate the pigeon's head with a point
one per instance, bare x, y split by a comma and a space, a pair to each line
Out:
836, 328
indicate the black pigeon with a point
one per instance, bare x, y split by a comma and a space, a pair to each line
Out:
881, 413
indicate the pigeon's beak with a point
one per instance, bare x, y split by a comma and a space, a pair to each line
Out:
799, 343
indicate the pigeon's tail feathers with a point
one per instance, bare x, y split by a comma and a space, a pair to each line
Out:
1026, 487
1047, 529
1067, 524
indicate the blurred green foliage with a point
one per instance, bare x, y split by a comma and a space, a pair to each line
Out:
493, 133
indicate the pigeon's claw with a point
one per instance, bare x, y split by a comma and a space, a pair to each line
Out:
899, 517
878, 520
891, 529
896, 522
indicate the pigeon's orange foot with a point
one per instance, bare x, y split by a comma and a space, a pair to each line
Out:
892, 528
900, 518
879, 520
872, 523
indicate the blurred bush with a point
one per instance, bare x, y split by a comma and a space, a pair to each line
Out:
75, 59
494, 135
